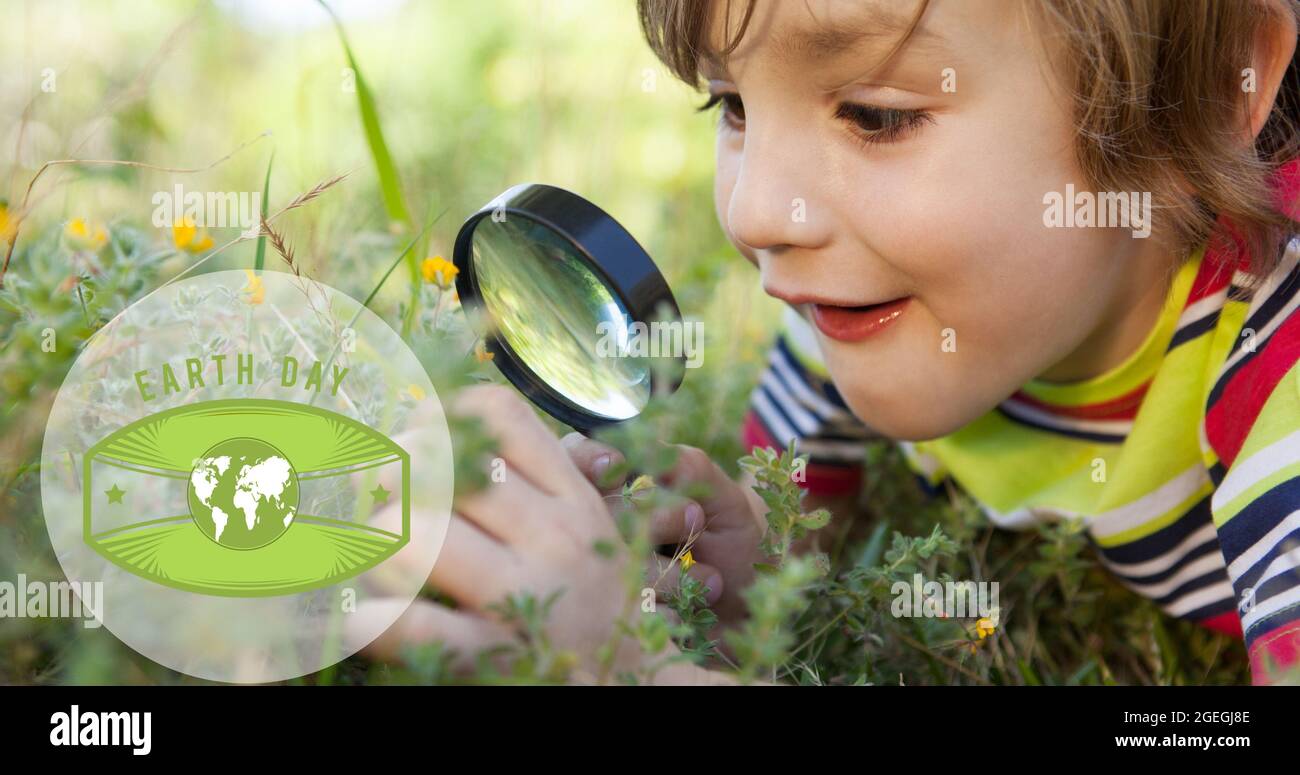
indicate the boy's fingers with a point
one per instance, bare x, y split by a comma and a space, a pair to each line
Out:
665, 576
594, 460
509, 511
426, 417
693, 466
678, 524
472, 567
410, 565
722, 496
421, 623
528, 446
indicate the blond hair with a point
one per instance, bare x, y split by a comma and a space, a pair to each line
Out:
1154, 85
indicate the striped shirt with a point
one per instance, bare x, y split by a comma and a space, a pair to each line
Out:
1183, 462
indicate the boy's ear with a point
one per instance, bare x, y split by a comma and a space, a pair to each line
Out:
1275, 46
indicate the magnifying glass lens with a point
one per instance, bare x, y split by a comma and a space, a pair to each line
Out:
557, 315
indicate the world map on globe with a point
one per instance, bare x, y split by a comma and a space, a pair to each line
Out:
243, 493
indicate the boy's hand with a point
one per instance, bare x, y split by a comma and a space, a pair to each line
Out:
535, 532
723, 529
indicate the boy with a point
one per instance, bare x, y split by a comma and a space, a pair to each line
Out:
1129, 360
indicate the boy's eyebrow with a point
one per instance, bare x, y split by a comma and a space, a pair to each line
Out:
875, 26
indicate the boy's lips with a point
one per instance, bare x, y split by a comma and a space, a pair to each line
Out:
854, 324
846, 321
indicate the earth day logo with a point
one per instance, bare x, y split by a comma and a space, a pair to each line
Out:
242, 493
233, 458
265, 491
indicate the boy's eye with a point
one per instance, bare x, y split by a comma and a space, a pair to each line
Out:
733, 109
872, 124
880, 125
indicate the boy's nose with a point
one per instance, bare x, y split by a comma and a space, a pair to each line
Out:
774, 203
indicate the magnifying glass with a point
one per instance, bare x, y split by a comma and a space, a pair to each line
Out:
565, 298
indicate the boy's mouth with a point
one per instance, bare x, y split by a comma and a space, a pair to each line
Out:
854, 324
844, 322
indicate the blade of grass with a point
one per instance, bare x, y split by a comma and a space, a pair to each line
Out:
260, 260
390, 185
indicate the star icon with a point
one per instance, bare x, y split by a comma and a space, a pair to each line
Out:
380, 494
115, 494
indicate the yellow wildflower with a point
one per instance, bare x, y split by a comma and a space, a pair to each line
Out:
189, 237
985, 628
84, 235
439, 271
415, 391
687, 561
8, 225
640, 484
255, 290
481, 354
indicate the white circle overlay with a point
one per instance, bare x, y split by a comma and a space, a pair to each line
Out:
270, 315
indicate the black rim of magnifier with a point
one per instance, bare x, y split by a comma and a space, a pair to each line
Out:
609, 251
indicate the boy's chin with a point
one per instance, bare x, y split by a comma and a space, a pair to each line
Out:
905, 418
913, 428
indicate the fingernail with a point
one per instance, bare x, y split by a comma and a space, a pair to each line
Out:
694, 518
601, 465
715, 589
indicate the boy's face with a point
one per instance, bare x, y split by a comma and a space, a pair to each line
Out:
920, 188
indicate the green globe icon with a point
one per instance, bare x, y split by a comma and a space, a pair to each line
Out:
243, 493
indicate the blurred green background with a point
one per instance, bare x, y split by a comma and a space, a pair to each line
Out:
473, 98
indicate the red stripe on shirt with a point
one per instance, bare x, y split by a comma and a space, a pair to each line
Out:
1122, 408
753, 434
1214, 274
1225, 255
832, 480
1228, 422
1228, 623
1275, 653
825, 479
